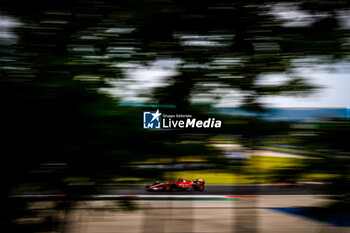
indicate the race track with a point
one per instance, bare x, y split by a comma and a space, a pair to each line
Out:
298, 189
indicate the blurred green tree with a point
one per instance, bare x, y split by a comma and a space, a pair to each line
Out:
57, 56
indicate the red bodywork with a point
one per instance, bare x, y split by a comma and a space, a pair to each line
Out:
179, 185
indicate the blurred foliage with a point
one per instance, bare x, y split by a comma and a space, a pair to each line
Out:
57, 56
330, 137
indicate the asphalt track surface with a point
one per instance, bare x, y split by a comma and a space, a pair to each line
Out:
298, 189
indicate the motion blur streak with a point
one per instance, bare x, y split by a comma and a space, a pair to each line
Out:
77, 76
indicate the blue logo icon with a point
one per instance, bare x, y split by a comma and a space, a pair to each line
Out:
151, 120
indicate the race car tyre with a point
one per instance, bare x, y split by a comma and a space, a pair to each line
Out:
166, 188
200, 187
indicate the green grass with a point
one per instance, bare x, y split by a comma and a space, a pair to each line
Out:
257, 169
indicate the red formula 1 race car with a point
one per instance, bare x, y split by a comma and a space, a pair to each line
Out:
179, 185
